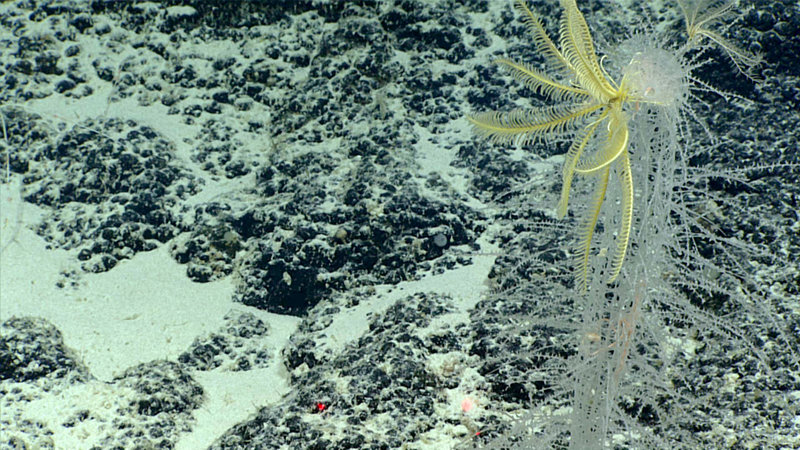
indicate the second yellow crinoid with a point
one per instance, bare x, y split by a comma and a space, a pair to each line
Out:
590, 110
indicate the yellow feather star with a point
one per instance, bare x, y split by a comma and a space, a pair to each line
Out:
589, 96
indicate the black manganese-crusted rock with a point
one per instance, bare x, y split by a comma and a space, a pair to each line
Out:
116, 189
385, 374
32, 348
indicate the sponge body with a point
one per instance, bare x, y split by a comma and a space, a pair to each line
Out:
654, 74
